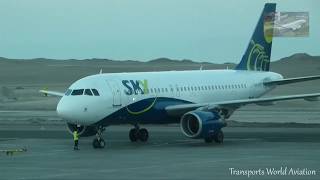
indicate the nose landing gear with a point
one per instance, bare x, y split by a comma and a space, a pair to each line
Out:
99, 142
136, 134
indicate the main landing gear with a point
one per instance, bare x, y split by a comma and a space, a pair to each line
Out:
217, 137
136, 134
99, 142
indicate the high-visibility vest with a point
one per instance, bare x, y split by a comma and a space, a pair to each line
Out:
75, 135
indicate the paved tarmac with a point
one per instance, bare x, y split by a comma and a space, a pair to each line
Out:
167, 154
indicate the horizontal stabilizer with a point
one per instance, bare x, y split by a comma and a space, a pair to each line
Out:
234, 104
291, 80
52, 93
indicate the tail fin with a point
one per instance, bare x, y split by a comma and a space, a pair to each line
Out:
257, 55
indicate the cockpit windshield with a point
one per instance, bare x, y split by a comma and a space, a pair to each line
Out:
88, 92
95, 92
79, 92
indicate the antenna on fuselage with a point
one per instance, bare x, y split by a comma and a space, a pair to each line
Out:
100, 71
201, 67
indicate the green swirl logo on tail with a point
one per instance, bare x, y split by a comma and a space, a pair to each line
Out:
258, 59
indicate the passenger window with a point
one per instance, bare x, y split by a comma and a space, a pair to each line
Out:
68, 92
95, 92
77, 92
88, 92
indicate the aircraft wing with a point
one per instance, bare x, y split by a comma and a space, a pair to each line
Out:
291, 80
234, 104
53, 93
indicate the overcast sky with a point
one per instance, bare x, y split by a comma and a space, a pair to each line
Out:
201, 30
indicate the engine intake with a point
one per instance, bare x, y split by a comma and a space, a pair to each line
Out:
200, 124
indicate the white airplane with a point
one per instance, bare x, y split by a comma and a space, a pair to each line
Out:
295, 25
201, 100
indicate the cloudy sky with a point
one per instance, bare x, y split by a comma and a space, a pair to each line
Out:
201, 30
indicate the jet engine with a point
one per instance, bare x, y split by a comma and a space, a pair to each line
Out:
83, 131
201, 124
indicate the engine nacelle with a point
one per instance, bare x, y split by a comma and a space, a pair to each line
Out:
201, 124
83, 131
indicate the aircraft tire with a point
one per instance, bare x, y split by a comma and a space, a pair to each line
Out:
95, 143
133, 135
98, 143
218, 137
143, 135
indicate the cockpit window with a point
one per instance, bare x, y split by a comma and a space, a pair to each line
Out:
77, 92
68, 92
88, 92
95, 92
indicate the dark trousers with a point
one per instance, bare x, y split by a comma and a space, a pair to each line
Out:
75, 144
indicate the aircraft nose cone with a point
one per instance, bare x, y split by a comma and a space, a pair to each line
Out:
72, 112
60, 109
63, 110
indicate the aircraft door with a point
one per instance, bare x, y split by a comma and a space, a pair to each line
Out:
116, 93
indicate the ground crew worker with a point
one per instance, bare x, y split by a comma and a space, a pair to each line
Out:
75, 139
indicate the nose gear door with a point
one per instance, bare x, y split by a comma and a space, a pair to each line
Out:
116, 93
